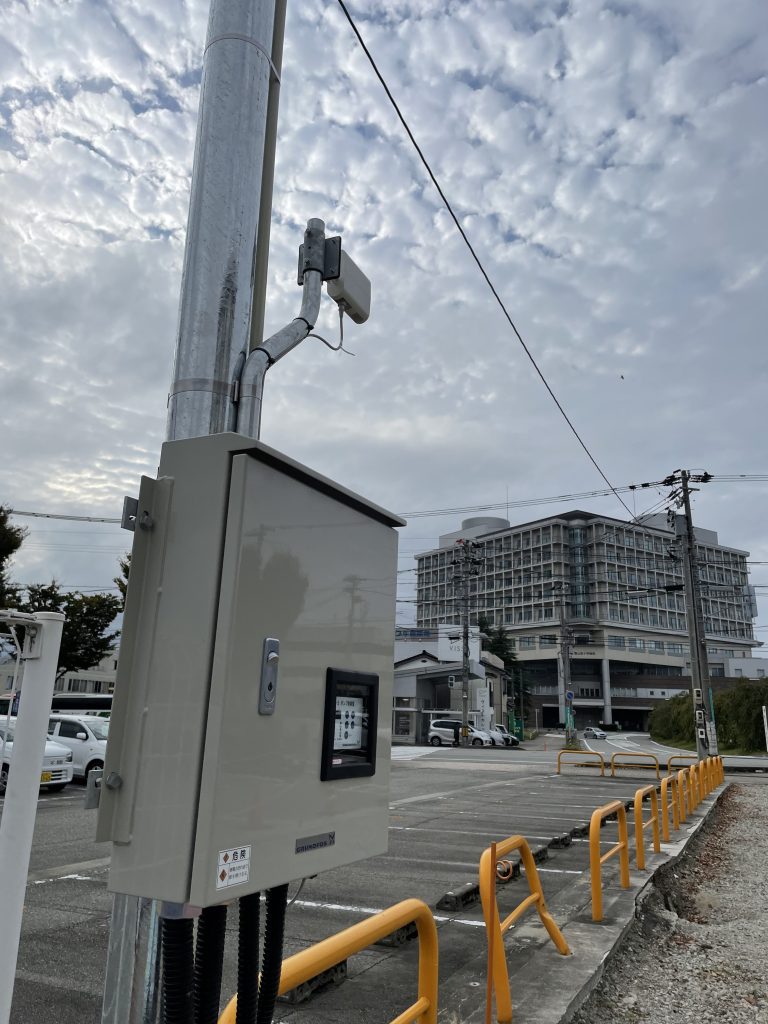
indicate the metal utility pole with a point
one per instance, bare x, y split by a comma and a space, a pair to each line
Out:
225, 256
706, 739
466, 564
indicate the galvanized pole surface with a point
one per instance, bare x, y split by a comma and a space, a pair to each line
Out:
215, 310
707, 746
41, 652
220, 252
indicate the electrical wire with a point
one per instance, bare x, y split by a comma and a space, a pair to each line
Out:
474, 255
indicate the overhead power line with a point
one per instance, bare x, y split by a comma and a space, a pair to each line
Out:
474, 255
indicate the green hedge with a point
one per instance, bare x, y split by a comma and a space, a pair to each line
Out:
738, 714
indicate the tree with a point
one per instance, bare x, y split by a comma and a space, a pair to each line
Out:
85, 640
11, 538
121, 581
500, 643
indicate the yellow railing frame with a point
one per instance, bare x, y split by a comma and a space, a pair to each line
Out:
627, 753
326, 954
681, 758
669, 781
596, 861
703, 770
694, 789
495, 928
641, 826
580, 755
683, 798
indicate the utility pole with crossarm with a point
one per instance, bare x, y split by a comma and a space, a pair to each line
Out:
706, 739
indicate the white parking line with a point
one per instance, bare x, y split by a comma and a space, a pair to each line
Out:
344, 908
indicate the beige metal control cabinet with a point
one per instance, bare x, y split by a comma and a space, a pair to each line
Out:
250, 734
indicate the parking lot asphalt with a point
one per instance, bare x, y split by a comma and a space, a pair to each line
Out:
446, 806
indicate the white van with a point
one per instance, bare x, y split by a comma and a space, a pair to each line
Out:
446, 730
85, 736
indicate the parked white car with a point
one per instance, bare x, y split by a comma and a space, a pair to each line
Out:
85, 736
447, 730
56, 770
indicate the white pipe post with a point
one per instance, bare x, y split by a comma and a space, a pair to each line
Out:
17, 824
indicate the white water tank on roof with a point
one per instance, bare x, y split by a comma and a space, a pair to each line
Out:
485, 524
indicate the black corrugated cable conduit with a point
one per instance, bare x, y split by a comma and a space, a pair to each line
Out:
209, 960
177, 970
272, 962
248, 959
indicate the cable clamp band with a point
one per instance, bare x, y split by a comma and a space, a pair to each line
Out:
246, 39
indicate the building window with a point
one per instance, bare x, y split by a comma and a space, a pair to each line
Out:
616, 641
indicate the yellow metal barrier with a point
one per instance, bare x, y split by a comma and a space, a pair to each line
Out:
720, 770
495, 928
596, 861
667, 805
679, 758
641, 826
703, 770
617, 762
683, 798
580, 755
694, 792
310, 962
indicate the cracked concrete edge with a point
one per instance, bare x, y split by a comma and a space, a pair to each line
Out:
530, 1007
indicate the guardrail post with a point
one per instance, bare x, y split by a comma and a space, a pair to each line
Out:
580, 762
495, 928
618, 757
682, 795
640, 825
596, 860
310, 962
669, 781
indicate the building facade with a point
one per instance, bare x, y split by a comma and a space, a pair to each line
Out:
605, 593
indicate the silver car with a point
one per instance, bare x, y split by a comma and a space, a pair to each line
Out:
593, 733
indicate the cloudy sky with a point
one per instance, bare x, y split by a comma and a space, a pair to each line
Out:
608, 160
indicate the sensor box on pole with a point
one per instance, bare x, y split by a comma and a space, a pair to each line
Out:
249, 740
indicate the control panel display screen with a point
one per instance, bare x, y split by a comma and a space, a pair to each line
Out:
349, 732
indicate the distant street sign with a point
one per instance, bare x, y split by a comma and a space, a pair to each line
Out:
569, 695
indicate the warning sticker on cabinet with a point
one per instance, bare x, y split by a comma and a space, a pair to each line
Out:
234, 866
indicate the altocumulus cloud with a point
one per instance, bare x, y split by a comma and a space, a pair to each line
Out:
608, 160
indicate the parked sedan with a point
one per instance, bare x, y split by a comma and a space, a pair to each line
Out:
57, 762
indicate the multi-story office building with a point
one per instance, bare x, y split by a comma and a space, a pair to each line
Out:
608, 591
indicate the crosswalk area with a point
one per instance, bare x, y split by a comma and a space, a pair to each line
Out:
409, 753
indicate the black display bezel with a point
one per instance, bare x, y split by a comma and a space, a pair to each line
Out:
354, 765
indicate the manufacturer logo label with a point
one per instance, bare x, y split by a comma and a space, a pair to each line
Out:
315, 842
